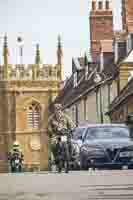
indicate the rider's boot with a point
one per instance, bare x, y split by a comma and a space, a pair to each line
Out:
67, 167
59, 166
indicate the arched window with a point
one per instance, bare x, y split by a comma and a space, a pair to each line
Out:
33, 116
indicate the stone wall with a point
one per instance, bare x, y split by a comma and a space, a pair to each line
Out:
4, 127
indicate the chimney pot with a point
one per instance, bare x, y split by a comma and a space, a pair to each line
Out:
93, 5
100, 5
107, 6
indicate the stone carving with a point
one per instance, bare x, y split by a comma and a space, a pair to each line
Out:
26, 72
35, 144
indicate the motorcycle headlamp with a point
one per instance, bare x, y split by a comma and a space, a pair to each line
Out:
76, 148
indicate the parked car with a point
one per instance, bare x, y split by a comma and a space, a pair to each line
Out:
106, 146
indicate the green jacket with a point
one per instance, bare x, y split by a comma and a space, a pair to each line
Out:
63, 122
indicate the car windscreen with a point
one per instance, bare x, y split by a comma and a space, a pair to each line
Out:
106, 133
77, 133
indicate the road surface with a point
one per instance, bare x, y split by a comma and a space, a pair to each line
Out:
82, 185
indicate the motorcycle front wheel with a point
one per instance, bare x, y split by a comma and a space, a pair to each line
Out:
66, 166
59, 166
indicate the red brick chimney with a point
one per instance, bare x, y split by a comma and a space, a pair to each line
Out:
101, 25
107, 6
100, 5
93, 5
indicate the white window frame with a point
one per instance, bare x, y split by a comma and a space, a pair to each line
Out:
86, 72
75, 79
33, 116
116, 52
129, 45
101, 62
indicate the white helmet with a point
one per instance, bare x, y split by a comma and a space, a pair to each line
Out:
16, 144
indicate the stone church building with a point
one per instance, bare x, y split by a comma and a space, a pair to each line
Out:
25, 94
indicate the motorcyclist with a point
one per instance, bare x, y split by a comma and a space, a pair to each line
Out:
58, 121
15, 150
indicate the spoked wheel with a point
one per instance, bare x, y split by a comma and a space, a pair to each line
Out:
59, 166
83, 164
66, 166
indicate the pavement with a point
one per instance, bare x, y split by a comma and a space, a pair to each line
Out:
78, 185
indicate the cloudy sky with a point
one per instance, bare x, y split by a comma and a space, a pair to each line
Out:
40, 21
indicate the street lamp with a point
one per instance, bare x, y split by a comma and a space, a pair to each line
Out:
99, 76
20, 44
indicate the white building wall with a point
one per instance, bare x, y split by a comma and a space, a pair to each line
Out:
113, 90
105, 102
91, 112
81, 111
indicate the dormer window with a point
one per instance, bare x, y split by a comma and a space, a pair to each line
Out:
86, 66
75, 79
101, 62
129, 43
86, 72
116, 51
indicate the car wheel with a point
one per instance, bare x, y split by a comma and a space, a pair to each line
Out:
130, 167
83, 164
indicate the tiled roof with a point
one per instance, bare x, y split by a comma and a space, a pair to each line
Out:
70, 94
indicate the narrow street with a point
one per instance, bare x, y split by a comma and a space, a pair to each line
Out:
90, 185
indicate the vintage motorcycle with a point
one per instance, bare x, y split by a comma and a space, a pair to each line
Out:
63, 150
16, 163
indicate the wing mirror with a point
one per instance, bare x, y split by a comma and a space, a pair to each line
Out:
80, 138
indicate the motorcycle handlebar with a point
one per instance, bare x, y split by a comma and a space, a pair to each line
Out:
64, 132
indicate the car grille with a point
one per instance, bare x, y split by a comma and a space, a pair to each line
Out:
112, 154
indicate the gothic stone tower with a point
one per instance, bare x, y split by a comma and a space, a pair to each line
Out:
101, 25
25, 91
127, 15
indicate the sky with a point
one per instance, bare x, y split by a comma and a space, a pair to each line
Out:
40, 21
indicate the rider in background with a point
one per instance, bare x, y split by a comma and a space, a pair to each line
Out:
15, 150
57, 121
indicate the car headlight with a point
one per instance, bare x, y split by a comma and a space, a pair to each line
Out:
126, 154
89, 149
76, 148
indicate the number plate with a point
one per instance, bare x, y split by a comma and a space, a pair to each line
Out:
126, 154
17, 161
64, 138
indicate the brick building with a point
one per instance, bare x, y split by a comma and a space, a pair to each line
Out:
127, 15
101, 25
